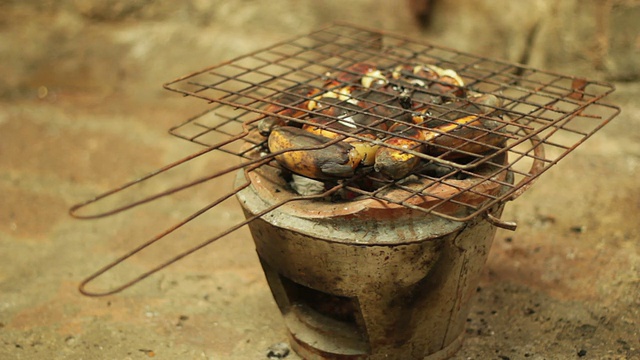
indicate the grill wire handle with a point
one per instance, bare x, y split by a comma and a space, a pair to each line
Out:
495, 221
536, 168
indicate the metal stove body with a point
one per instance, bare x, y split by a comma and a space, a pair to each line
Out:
363, 279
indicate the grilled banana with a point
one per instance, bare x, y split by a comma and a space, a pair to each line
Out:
395, 163
363, 150
469, 134
308, 154
354, 73
345, 116
348, 119
427, 108
298, 97
447, 81
474, 135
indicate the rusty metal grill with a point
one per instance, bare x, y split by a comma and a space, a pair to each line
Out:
543, 109
544, 116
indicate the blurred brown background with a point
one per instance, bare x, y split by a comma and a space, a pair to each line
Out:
82, 110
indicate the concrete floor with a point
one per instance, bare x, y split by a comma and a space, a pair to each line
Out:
564, 285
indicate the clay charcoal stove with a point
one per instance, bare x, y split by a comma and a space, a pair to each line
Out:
373, 170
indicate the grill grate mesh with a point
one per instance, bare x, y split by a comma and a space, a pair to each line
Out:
541, 109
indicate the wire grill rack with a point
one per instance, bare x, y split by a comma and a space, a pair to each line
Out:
543, 109
544, 116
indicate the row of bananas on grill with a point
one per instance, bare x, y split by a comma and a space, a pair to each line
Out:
368, 118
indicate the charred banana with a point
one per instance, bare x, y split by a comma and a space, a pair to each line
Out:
364, 150
311, 155
427, 109
466, 134
296, 97
397, 163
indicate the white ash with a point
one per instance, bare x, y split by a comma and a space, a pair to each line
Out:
306, 186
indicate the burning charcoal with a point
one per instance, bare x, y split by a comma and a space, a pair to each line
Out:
437, 170
408, 180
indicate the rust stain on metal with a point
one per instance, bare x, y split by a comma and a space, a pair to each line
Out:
578, 86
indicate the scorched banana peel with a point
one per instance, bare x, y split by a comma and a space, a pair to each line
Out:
308, 154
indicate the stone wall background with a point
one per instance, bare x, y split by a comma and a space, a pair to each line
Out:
93, 45
589, 38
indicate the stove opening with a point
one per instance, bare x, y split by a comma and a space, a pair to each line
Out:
320, 318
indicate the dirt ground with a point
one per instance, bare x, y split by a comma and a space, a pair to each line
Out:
92, 114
